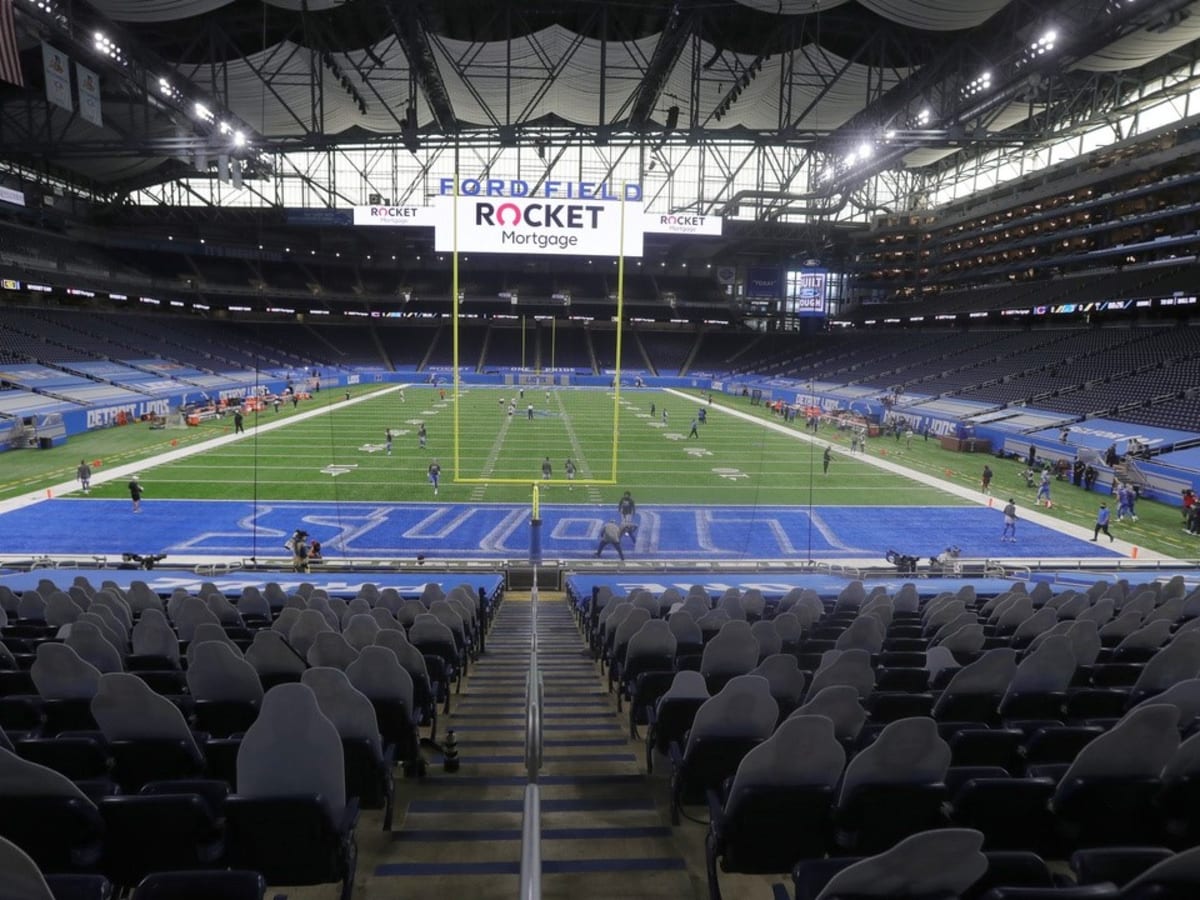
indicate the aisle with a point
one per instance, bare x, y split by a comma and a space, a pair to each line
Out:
604, 833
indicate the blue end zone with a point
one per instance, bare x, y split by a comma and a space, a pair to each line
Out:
459, 531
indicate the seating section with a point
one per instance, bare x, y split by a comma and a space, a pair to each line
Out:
865, 744
232, 738
820, 731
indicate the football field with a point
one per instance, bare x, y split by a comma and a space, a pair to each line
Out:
341, 454
327, 462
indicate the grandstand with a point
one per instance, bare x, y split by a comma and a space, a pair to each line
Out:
318, 576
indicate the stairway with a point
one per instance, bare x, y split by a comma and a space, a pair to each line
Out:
604, 832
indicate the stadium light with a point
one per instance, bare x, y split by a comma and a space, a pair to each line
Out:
203, 112
107, 47
239, 139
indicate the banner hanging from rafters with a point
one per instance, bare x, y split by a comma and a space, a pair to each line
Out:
58, 76
89, 95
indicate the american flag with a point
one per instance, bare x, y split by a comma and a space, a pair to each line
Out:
10, 57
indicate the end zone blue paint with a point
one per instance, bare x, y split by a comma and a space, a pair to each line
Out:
499, 531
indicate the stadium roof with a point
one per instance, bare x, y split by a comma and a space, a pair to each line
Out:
771, 110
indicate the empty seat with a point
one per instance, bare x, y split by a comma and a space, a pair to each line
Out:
776, 809
48, 817
893, 788
147, 734
226, 689
368, 765
1107, 795
732, 652
725, 728
290, 819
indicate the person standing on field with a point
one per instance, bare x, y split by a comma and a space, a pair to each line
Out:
828, 455
239, 420
422, 437
135, 493
610, 536
985, 481
435, 476
627, 508
1103, 517
569, 468
547, 469
84, 474
1009, 535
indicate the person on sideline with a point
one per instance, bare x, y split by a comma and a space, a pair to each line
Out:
569, 468
239, 426
985, 481
1009, 534
1103, 516
825, 458
610, 536
84, 474
547, 469
135, 493
1044, 489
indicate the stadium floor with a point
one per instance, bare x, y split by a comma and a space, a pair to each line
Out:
224, 529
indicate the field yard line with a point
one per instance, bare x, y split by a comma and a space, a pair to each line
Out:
489, 464
1031, 515
135, 468
585, 469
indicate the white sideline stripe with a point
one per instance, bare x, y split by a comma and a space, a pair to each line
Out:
136, 468
1029, 515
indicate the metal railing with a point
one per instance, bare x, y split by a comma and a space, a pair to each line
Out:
531, 825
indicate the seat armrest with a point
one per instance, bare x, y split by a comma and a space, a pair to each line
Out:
349, 816
716, 810
675, 753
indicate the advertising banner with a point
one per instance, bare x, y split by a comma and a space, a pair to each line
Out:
682, 223
808, 292
540, 225
396, 216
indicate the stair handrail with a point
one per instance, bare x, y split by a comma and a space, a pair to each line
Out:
531, 824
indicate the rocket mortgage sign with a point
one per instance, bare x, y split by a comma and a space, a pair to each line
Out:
554, 218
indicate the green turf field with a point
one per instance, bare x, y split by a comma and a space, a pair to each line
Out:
732, 461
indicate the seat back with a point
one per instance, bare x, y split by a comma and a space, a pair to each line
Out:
216, 672
941, 863
1139, 746
126, 709
59, 673
293, 751
907, 751
330, 649
744, 709
840, 703
345, 706
852, 667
